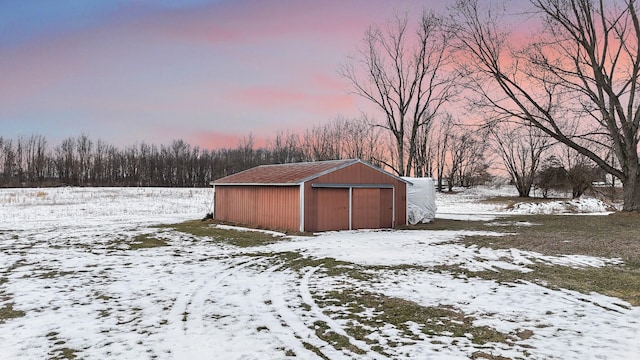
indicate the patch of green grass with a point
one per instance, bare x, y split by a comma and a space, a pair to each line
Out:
287, 352
443, 320
53, 274
17, 264
64, 353
340, 342
145, 241
315, 350
613, 236
103, 297
206, 229
330, 266
484, 355
613, 281
7, 312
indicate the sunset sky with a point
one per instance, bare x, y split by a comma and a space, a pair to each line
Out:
206, 71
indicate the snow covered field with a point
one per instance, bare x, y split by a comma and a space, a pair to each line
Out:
76, 284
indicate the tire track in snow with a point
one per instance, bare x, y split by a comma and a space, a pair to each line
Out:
299, 328
185, 304
331, 323
263, 304
269, 304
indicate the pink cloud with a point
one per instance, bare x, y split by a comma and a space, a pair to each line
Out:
337, 103
253, 21
220, 65
274, 98
268, 97
218, 140
213, 140
333, 83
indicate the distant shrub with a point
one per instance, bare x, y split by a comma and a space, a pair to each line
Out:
552, 176
555, 176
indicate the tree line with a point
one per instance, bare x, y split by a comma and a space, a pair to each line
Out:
453, 153
30, 161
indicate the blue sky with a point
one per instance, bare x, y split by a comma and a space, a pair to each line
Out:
208, 72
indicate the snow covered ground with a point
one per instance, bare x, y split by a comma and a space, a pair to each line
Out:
77, 286
467, 205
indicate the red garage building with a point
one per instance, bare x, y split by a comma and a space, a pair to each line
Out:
313, 196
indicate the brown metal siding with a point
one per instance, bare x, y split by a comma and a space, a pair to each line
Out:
386, 209
273, 207
372, 208
333, 209
366, 209
355, 174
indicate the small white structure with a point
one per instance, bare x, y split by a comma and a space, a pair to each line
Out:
421, 200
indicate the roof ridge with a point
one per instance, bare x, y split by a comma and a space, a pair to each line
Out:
308, 162
286, 174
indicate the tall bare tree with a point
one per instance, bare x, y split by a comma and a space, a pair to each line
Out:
362, 140
468, 153
286, 148
440, 143
344, 138
404, 75
576, 79
521, 148
324, 141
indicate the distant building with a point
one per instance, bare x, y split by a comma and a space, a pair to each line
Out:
313, 196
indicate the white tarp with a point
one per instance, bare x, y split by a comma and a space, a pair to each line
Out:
421, 200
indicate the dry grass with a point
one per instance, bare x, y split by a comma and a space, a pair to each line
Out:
367, 312
613, 236
7, 312
145, 242
206, 229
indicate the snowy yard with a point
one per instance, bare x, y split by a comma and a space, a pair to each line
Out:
87, 273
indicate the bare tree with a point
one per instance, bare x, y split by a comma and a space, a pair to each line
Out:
362, 140
286, 148
323, 142
521, 149
8, 161
423, 165
440, 140
463, 153
472, 164
36, 159
576, 80
344, 138
404, 76
84, 147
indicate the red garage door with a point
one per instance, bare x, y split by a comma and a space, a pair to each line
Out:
372, 208
333, 209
